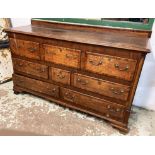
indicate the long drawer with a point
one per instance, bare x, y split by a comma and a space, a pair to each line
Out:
102, 87
110, 65
36, 85
100, 106
31, 68
64, 56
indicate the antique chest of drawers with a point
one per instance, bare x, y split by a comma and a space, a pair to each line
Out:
91, 69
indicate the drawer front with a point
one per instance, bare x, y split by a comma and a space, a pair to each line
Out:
36, 85
60, 75
105, 108
31, 68
64, 56
109, 65
102, 87
28, 49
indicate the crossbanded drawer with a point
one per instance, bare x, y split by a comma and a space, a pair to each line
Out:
30, 68
110, 65
102, 87
64, 56
59, 75
36, 85
100, 106
27, 49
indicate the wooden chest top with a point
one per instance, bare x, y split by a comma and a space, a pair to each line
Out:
106, 39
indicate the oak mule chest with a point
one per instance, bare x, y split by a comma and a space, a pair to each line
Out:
87, 68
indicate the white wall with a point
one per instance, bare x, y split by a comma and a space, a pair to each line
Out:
145, 94
20, 21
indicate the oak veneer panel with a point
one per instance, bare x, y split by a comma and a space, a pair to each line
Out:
60, 75
64, 56
31, 68
28, 49
114, 66
102, 87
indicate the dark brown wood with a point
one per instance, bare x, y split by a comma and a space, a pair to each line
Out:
106, 88
30, 68
13, 46
36, 85
109, 110
90, 28
113, 66
94, 71
106, 39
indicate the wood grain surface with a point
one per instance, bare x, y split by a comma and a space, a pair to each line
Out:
93, 71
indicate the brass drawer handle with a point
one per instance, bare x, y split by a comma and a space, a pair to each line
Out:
117, 66
70, 97
60, 75
82, 82
112, 109
109, 107
31, 49
21, 64
96, 63
118, 110
54, 90
41, 69
107, 115
70, 56
117, 92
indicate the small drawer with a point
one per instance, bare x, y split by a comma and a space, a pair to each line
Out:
109, 65
36, 85
30, 68
63, 56
60, 75
102, 107
102, 87
28, 49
